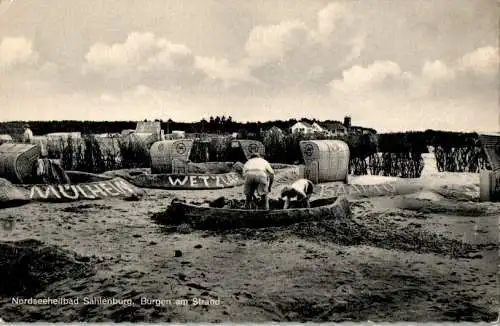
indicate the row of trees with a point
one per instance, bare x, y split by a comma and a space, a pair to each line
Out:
212, 125
407, 141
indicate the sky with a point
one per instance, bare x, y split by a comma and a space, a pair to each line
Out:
392, 65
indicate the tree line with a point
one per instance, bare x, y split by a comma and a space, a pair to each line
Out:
411, 141
213, 125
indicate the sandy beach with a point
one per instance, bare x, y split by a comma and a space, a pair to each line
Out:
427, 256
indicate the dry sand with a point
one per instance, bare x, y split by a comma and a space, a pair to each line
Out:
398, 258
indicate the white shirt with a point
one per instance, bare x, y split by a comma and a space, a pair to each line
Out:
28, 134
257, 164
301, 186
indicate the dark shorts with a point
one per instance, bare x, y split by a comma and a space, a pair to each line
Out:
256, 182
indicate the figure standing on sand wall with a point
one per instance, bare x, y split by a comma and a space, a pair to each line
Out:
259, 177
28, 134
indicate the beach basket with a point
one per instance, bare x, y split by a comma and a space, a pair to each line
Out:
489, 182
17, 161
41, 141
109, 145
179, 166
65, 135
150, 129
58, 141
164, 153
249, 147
491, 146
146, 138
325, 160
126, 132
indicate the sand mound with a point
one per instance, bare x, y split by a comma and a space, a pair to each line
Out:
28, 267
392, 237
384, 234
447, 207
11, 196
427, 195
376, 229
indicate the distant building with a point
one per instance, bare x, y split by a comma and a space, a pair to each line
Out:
333, 128
307, 128
336, 128
347, 122
356, 130
302, 127
317, 128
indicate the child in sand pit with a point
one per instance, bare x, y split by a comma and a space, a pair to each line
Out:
301, 189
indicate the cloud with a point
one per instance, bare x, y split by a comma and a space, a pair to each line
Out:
330, 16
143, 58
146, 59
140, 51
437, 71
484, 60
16, 51
223, 75
462, 92
287, 55
379, 76
473, 73
428, 62
270, 43
23, 71
291, 54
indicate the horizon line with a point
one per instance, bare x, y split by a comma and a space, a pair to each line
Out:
261, 122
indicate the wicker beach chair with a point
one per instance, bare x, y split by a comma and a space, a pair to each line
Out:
18, 161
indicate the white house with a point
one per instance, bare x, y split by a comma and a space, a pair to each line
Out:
302, 127
307, 128
317, 128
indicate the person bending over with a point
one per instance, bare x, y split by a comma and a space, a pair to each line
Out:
301, 190
259, 177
